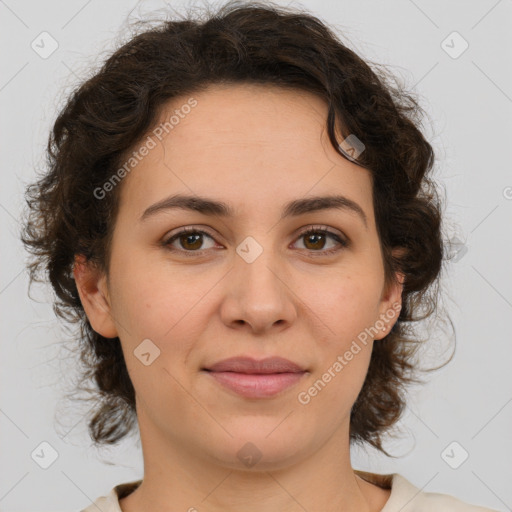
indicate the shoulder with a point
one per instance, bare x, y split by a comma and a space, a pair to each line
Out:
406, 497
110, 502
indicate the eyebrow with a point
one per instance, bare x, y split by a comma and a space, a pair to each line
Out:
294, 208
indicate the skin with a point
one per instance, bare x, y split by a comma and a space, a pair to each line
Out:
255, 148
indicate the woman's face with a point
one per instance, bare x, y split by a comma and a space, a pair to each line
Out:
252, 285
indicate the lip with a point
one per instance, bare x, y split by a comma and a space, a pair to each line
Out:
253, 378
249, 365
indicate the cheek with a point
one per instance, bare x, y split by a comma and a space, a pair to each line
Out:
169, 310
347, 304
332, 391
148, 298
344, 355
349, 310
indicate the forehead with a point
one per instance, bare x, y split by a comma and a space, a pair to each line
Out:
249, 143
246, 115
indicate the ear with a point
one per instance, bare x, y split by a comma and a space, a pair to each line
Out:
391, 303
92, 287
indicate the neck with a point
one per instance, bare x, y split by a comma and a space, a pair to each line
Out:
176, 478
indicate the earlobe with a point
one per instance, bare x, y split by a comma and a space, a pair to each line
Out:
92, 287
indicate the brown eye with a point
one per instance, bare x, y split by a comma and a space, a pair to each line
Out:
189, 240
315, 240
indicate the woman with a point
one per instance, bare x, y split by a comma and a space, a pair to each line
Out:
239, 215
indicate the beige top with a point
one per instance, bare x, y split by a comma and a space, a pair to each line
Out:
404, 497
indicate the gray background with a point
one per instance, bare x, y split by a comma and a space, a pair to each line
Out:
469, 100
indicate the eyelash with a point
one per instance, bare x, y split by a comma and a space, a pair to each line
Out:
313, 230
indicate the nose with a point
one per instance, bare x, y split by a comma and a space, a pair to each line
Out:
258, 295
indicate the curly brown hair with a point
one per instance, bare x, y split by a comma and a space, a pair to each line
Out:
255, 42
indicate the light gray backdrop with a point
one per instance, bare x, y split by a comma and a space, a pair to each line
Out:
457, 429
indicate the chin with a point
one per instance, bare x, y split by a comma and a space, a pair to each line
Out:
259, 444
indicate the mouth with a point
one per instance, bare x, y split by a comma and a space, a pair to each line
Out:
251, 378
